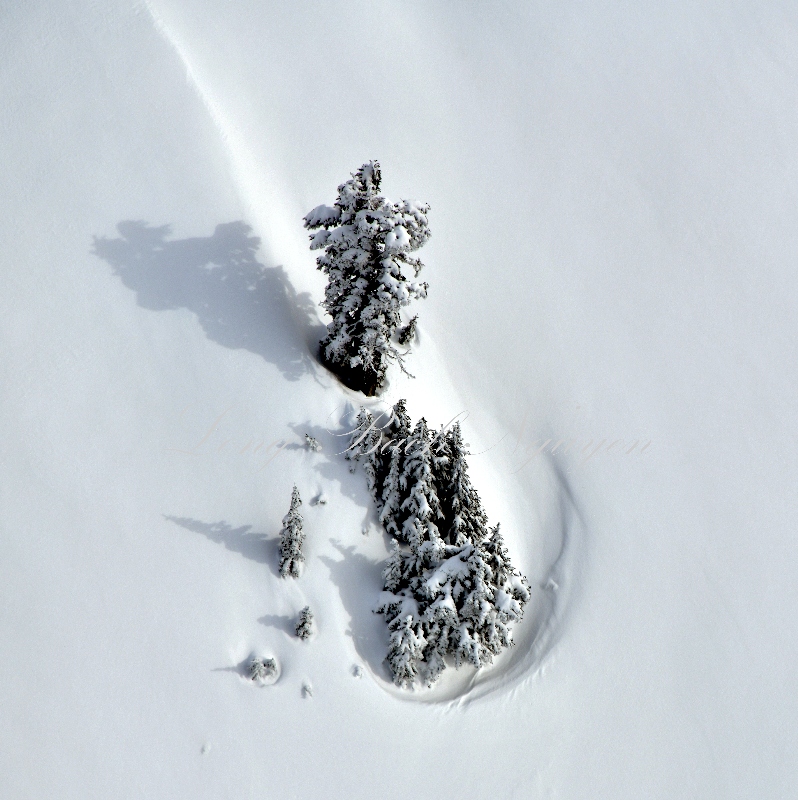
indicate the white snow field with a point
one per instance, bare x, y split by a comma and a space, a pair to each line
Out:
614, 206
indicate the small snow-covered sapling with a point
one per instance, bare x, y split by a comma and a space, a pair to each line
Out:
304, 628
291, 538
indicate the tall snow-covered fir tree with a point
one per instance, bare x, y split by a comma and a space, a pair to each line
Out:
381, 449
291, 538
393, 488
465, 521
365, 444
398, 427
494, 597
421, 507
367, 242
394, 492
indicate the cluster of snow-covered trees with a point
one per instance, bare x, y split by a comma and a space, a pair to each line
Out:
265, 670
450, 589
367, 241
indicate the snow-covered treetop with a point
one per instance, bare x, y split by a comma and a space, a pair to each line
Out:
293, 516
365, 221
398, 426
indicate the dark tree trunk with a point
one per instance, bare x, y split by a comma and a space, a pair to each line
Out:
368, 381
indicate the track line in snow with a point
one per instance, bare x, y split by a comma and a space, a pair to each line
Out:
251, 174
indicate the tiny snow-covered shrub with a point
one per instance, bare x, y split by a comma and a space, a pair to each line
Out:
307, 689
263, 670
304, 628
312, 444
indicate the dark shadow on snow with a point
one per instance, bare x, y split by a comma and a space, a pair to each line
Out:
359, 582
239, 302
242, 668
282, 623
252, 545
331, 465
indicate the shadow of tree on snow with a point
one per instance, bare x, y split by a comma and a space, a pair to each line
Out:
359, 583
251, 544
333, 467
239, 302
280, 622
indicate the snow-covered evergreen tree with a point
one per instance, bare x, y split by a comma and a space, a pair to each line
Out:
365, 444
395, 432
393, 493
304, 627
421, 507
399, 425
291, 538
367, 242
407, 333
394, 484
465, 521
440, 623
381, 450
494, 598
405, 650
394, 571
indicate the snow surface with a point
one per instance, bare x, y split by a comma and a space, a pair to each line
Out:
613, 194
